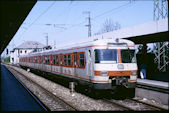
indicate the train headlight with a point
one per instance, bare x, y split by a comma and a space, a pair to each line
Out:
104, 73
134, 72
120, 66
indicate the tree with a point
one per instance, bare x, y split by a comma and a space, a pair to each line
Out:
109, 25
7, 59
140, 49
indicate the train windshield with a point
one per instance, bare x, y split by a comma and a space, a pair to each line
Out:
128, 56
105, 56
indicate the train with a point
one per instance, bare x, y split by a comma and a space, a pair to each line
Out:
101, 64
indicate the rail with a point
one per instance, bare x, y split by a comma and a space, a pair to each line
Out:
45, 108
134, 105
66, 105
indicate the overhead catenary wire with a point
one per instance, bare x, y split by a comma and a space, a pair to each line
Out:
42, 13
102, 14
115, 11
111, 10
73, 25
50, 6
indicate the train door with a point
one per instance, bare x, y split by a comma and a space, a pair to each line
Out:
89, 64
75, 63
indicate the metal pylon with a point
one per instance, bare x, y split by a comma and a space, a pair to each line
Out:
161, 51
160, 48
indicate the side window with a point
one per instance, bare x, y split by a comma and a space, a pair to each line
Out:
82, 60
39, 59
54, 58
61, 59
46, 60
43, 59
69, 60
65, 60
36, 59
50, 60
57, 60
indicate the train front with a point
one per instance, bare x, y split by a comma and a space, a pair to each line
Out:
115, 65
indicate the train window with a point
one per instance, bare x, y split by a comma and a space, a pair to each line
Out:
105, 56
69, 60
57, 60
43, 59
54, 59
50, 60
35, 59
47, 59
61, 59
65, 60
39, 59
82, 60
128, 56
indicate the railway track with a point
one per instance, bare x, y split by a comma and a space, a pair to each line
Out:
62, 105
45, 108
152, 105
126, 104
134, 105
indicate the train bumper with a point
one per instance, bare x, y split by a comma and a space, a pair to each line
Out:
110, 86
102, 86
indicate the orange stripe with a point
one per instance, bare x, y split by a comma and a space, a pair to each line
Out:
114, 73
100, 81
119, 73
97, 73
132, 80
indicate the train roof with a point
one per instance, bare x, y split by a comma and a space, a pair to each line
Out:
84, 43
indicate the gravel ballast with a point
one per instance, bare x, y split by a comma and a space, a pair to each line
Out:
80, 101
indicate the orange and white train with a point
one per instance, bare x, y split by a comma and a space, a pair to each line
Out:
100, 63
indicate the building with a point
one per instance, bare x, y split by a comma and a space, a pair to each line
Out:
23, 49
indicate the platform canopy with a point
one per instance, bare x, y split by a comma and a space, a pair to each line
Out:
12, 13
155, 31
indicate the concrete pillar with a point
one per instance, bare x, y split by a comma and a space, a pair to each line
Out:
72, 87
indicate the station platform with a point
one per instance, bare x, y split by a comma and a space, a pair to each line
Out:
14, 97
153, 83
153, 90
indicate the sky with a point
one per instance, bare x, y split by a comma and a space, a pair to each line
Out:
64, 21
